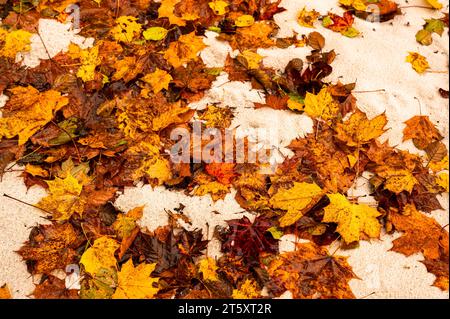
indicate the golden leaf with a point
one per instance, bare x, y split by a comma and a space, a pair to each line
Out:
171, 116
89, 60
36, 170
248, 290
159, 80
321, 105
352, 219
419, 62
435, 4
166, 10
244, 21
252, 58
5, 293
356, 4
136, 282
421, 130
64, 199
207, 266
184, 50
100, 255
14, 42
359, 130
31, 110
307, 18
126, 29
125, 223
219, 7
442, 180
397, 180
296, 201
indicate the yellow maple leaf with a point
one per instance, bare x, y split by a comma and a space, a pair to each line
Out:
215, 189
435, 4
136, 282
159, 80
418, 62
31, 111
64, 199
171, 116
219, 7
359, 130
126, 223
356, 4
295, 200
126, 29
89, 60
442, 180
252, 58
352, 219
397, 180
307, 18
166, 10
14, 42
184, 50
123, 67
321, 105
207, 266
440, 165
100, 255
248, 290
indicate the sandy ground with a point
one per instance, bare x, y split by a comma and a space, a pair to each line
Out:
375, 61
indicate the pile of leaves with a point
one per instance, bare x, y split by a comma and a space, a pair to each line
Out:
88, 122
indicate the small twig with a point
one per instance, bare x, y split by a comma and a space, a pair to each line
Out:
21, 201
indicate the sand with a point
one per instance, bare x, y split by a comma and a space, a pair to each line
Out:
374, 61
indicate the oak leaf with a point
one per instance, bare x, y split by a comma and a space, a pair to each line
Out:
352, 219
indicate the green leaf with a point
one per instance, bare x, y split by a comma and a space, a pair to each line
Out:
434, 25
351, 32
424, 37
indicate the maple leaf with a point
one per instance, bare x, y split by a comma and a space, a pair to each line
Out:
397, 180
14, 42
439, 268
5, 293
418, 62
321, 106
54, 288
208, 268
89, 59
185, 49
311, 272
296, 201
158, 80
99, 286
356, 4
126, 223
248, 239
255, 36
215, 116
100, 255
135, 282
166, 10
352, 219
248, 290
219, 7
307, 18
51, 247
223, 172
28, 110
420, 233
359, 130
126, 29
64, 199
341, 24
421, 130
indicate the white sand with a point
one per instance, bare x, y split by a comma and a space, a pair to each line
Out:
375, 61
